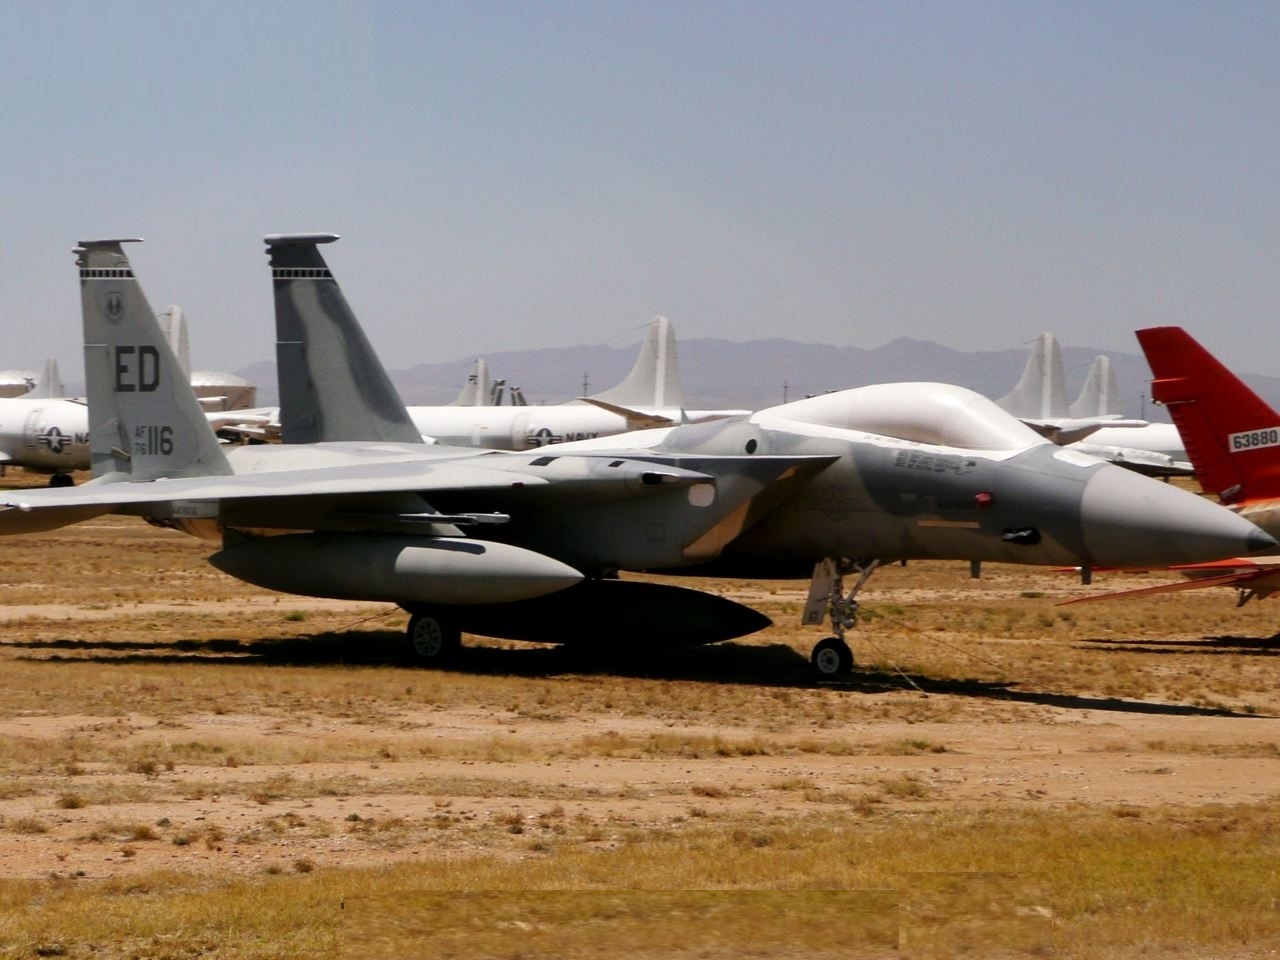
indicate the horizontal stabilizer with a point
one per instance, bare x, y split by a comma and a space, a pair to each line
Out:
1067, 431
15, 520
636, 419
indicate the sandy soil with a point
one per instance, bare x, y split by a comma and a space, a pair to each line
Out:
1043, 755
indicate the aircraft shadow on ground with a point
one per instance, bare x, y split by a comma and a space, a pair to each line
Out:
1210, 646
773, 665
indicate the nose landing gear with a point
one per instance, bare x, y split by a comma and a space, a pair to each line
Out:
832, 656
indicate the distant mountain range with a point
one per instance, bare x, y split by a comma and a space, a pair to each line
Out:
760, 373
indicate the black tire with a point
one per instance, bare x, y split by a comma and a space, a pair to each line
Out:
62, 480
432, 640
832, 658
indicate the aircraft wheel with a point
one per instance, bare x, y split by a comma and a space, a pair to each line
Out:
832, 657
61, 480
433, 640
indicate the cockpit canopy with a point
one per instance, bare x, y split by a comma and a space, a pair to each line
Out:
936, 413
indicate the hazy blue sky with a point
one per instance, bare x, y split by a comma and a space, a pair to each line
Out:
515, 175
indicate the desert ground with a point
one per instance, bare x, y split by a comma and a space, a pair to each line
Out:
193, 767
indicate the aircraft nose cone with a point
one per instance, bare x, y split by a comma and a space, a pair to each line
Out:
1130, 520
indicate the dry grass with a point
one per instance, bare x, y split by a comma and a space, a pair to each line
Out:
1139, 884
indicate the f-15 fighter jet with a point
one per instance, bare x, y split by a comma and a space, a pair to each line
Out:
527, 545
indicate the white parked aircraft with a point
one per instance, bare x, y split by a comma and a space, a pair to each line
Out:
650, 396
47, 432
43, 431
1092, 423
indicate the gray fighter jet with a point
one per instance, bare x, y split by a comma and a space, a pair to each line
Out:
921, 470
527, 545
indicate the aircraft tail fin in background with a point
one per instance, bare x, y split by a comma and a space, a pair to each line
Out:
654, 381
48, 386
174, 324
478, 391
144, 420
1041, 394
1099, 396
332, 384
1231, 434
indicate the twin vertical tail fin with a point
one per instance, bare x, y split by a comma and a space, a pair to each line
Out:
332, 384
654, 381
1231, 434
144, 420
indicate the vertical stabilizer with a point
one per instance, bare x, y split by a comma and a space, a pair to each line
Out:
173, 322
1099, 396
654, 381
1231, 434
49, 384
144, 421
1041, 394
332, 384
478, 391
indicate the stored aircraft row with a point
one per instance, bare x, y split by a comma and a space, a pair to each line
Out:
528, 545
1092, 423
43, 431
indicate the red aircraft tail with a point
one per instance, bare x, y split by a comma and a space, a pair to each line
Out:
1231, 434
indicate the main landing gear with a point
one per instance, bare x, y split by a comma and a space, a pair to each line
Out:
433, 640
832, 657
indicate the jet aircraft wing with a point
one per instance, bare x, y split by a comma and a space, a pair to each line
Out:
362, 493
447, 476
